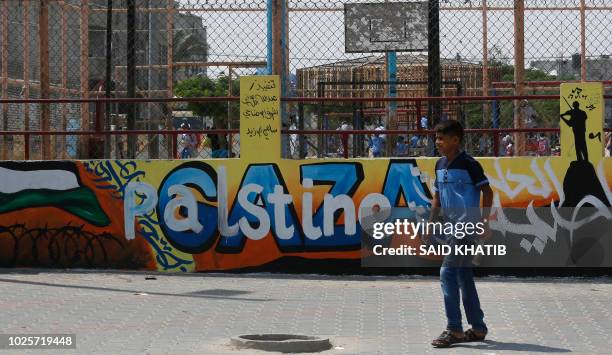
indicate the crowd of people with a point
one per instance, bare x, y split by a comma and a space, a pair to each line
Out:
376, 144
191, 144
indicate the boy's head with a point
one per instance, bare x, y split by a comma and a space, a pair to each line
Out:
449, 135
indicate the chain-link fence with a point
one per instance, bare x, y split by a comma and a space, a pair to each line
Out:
185, 48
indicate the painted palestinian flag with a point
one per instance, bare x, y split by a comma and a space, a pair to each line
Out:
48, 184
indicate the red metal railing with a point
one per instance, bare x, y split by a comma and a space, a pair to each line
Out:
552, 83
344, 134
495, 132
99, 104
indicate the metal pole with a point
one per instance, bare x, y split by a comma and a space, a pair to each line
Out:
84, 35
269, 11
434, 75
320, 113
391, 63
108, 80
285, 85
355, 123
98, 116
64, 76
519, 71
277, 49
43, 42
131, 75
152, 138
278, 67
26, 139
583, 68
149, 62
170, 146
496, 144
485, 64
229, 116
175, 153
5, 37
418, 112
460, 111
26, 73
301, 137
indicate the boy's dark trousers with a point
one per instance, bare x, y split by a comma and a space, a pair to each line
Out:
457, 280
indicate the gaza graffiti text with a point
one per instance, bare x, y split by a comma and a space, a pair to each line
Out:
192, 222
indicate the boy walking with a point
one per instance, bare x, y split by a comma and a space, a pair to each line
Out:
459, 182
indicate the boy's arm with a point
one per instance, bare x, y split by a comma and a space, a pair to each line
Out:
435, 207
435, 201
434, 212
433, 215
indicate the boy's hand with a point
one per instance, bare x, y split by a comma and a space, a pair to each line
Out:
433, 217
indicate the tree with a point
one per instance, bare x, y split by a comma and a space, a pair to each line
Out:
547, 110
203, 86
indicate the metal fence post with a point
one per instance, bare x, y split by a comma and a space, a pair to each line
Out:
26, 139
45, 111
175, 152
301, 138
345, 146
519, 72
108, 80
496, 143
131, 75
434, 75
98, 116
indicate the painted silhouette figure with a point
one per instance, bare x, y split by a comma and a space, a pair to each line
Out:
578, 123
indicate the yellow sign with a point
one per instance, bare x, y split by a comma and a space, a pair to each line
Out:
260, 118
582, 117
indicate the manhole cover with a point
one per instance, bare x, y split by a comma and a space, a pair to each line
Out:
286, 343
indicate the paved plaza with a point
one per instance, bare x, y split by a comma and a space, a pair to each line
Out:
130, 312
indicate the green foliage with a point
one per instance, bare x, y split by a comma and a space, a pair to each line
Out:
547, 111
473, 115
531, 74
202, 86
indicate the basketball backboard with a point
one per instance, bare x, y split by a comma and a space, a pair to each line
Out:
384, 27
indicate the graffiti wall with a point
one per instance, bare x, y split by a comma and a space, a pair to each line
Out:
231, 214
249, 212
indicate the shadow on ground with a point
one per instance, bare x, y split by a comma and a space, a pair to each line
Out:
503, 275
498, 345
209, 294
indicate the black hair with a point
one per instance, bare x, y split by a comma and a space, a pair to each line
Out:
451, 128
